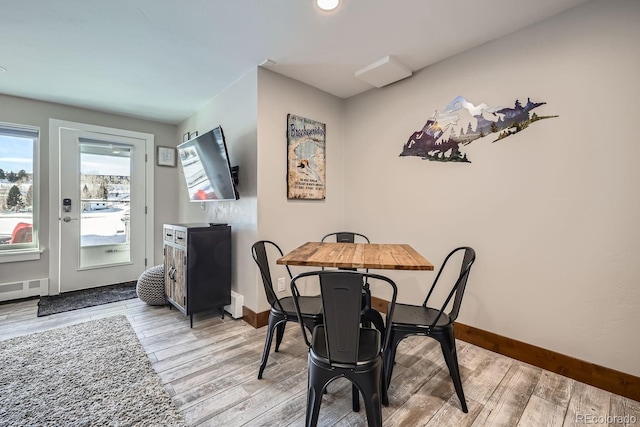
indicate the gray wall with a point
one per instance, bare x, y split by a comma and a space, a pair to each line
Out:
235, 109
291, 223
552, 211
37, 113
253, 114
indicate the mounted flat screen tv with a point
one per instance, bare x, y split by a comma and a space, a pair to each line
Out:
206, 167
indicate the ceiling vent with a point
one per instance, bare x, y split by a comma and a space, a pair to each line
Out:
383, 72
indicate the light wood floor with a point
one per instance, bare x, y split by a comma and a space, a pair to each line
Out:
211, 370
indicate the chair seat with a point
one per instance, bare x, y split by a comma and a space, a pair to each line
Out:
308, 305
368, 345
413, 315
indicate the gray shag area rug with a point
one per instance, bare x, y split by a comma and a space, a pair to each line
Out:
90, 374
86, 298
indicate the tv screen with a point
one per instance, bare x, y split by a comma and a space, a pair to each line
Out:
206, 167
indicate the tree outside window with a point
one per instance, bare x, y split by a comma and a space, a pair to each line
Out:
14, 198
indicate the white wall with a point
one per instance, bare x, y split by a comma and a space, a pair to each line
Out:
552, 211
235, 109
37, 113
291, 223
253, 114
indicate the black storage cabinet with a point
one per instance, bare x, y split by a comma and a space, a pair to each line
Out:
197, 266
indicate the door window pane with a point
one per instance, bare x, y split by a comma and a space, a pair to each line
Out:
105, 194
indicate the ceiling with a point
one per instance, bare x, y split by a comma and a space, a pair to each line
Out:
164, 59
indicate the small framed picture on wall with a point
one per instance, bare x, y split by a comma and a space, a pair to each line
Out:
166, 156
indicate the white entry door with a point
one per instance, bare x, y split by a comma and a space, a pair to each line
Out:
102, 220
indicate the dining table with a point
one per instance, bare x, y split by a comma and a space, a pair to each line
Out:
350, 256
382, 256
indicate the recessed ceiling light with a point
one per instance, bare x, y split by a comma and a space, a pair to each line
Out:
327, 4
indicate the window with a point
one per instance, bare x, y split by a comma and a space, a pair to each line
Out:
18, 188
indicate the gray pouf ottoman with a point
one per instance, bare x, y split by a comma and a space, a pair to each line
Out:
150, 286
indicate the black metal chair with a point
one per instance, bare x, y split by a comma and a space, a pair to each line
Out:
341, 346
282, 309
432, 322
369, 315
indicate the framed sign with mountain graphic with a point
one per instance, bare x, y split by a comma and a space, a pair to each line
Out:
305, 158
445, 133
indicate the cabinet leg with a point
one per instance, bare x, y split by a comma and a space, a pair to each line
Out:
222, 312
191, 321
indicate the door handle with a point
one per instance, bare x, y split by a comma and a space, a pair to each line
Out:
68, 218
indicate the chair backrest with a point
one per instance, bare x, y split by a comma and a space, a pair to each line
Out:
259, 253
345, 237
341, 292
457, 291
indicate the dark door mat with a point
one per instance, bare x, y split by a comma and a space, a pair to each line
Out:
86, 298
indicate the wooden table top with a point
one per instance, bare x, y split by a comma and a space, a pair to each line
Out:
384, 256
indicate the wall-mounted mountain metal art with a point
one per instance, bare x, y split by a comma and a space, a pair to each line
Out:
461, 123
